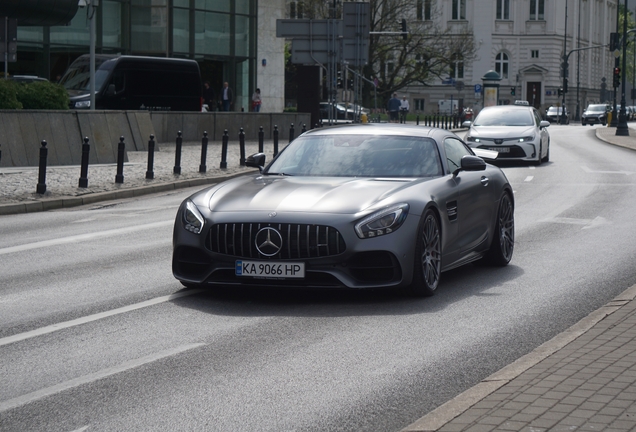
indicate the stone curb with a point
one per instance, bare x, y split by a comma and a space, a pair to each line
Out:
443, 414
92, 198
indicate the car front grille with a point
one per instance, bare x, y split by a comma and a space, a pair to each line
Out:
515, 151
298, 240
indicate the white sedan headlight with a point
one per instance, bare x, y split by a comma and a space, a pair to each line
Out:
192, 219
382, 222
527, 139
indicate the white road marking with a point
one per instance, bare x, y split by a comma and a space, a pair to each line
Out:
591, 171
533, 167
529, 178
86, 379
82, 429
83, 237
79, 321
587, 223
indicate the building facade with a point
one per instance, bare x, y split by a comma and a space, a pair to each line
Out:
232, 40
524, 42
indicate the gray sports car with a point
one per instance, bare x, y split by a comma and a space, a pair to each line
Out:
357, 206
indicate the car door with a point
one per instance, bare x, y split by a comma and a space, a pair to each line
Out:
474, 201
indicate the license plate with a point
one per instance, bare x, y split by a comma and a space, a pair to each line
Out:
266, 269
500, 149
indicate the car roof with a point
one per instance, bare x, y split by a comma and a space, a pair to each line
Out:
381, 128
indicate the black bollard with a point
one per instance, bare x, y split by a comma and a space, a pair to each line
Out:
121, 148
224, 150
304, 128
150, 174
417, 120
177, 154
86, 148
291, 133
275, 140
41, 188
242, 147
261, 138
204, 152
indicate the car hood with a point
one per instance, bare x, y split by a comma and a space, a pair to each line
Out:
501, 132
343, 195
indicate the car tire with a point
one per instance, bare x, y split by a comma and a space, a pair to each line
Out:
503, 242
428, 257
547, 155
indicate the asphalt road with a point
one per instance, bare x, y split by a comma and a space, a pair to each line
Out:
96, 335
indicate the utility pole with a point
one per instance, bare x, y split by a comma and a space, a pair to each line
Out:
614, 122
564, 65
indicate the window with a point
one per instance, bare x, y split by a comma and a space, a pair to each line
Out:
501, 65
457, 66
459, 9
423, 10
503, 9
419, 104
537, 10
534, 53
455, 150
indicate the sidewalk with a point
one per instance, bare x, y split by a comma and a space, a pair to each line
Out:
18, 185
584, 379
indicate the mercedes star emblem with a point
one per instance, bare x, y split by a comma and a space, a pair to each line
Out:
268, 241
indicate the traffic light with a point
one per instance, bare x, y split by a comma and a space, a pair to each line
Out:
513, 90
614, 42
560, 91
617, 77
405, 34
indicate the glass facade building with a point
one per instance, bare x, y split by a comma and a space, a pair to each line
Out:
219, 34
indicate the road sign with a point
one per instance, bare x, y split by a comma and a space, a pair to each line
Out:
477, 88
356, 24
306, 28
310, 52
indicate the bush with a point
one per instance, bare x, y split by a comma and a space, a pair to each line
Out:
43, 95
8, 92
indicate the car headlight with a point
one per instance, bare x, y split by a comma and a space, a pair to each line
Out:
83, 104
527, 138
382, 222
472, 139
192, 219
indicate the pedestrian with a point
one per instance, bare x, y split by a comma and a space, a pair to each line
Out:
209, 98
226, 97
394, 107
256, 100
404, 108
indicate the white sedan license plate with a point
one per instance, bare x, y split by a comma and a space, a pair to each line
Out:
265, 269
500, 149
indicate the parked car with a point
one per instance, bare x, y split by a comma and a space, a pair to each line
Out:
338, 112
353, 206
516, 132
135, 83
595, 114
27, 79
555, 115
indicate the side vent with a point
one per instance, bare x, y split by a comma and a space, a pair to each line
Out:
451, 210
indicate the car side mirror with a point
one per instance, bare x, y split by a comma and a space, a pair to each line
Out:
466, 124
544, 123
471, 163
257, 160
111, 90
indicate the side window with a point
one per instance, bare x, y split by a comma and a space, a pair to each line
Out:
455, 150
537, 117
119, 80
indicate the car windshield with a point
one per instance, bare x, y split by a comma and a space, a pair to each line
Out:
554, 110
595, 109
358, 156
78, 76
505, 117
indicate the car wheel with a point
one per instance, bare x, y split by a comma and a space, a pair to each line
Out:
503, 243
538, 161
428, 257
547, 154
